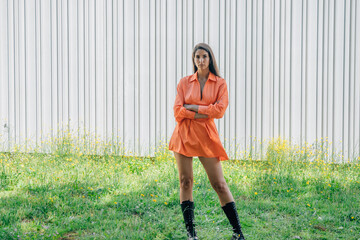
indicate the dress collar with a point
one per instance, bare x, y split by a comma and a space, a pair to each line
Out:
211, 77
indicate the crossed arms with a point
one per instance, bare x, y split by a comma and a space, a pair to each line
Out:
216, 110
195, 108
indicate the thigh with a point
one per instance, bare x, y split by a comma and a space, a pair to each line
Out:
213, 169
184, 165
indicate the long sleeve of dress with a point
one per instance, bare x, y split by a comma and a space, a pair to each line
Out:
217, 110
199, 137
180, 112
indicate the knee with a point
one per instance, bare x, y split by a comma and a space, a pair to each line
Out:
220, 187
186, 182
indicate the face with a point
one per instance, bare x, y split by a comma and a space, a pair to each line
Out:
202, 59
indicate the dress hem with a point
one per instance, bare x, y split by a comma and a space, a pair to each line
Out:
220, 158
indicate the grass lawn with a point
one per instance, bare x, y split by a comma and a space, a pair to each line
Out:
75, 196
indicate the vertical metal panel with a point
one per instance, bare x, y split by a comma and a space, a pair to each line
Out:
73, 64
346, 80
356, 78
111, 68
240, 76
109, 117
289, 52
338, 83
311, 71
248, 72
120, 68
152, 76
171, 68
81, 64
356, 70
44, 70
199, 23
162, 86
319, 67
157, 79
144, 71
231, 126
350, 136
91, 98
295, 75
129, 70
4, 74
65, 59
22, 120
227, 69
331, 70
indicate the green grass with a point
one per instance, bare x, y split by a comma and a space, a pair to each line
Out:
76, 196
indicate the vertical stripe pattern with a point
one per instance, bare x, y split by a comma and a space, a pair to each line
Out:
111, 68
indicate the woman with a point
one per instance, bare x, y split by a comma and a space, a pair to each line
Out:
200, 98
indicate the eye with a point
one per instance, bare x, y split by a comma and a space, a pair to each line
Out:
197, 56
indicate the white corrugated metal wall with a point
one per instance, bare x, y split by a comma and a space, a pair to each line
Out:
111, 67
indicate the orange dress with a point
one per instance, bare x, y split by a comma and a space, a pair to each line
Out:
199, 137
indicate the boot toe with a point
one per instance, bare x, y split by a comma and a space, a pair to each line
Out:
237, 236
191, 237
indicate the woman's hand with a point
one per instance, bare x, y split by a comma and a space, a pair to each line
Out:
193, 108
200, 116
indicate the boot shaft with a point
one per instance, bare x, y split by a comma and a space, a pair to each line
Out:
232, 215
187, 208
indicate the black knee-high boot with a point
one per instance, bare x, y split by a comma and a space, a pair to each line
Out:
232, 215
187, 208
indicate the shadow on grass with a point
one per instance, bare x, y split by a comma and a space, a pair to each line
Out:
68, 211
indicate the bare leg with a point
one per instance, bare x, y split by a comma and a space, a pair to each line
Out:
215, 174
185, 168
214, 171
